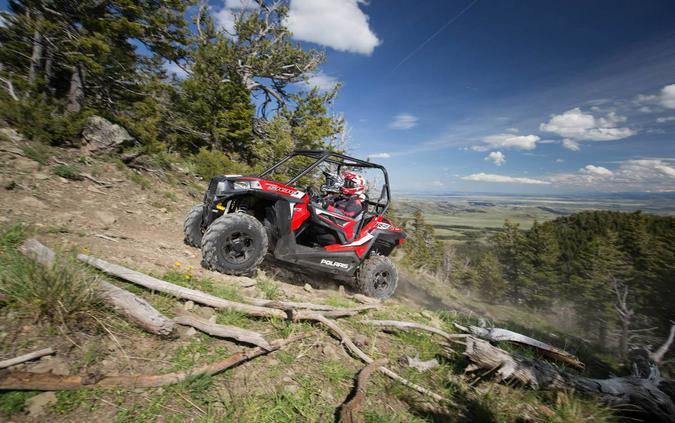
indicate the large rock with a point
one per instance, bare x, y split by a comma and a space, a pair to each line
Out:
11, 134
100, 134
38, 405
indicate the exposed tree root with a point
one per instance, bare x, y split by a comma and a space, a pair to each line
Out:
346, 340
25, 357
222, 331
50, 382
350, 409
497, 335
652, 394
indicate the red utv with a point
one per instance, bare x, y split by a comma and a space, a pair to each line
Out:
243, 217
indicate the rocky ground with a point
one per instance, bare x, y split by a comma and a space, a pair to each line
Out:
134, 218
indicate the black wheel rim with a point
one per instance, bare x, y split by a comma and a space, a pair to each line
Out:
238, 247
382, 281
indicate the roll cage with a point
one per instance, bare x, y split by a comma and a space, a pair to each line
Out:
340, 160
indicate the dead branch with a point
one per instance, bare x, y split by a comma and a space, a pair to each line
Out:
658, 355
136, 309
106, 237
179, 291
221, 331
96, 181
51, 382
124, 302
499, 335
650, 394
210, 300
350, 409
346, 340
288, 305
412, 325
25, 357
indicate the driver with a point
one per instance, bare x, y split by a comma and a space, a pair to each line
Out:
349, 201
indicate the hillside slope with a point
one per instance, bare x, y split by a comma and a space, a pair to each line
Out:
135, 219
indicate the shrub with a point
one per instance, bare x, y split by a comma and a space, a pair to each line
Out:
60, 292
43, 122
209, 163
68, 172
38, 153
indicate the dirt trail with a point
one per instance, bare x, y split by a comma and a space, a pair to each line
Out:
136, 221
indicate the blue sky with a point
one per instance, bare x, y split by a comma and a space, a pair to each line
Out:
509, 96
519, 96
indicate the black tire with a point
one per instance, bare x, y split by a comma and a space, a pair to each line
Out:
192, 227
377, 277
234, 244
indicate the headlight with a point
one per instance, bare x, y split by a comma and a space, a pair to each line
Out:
240, 185
221, 187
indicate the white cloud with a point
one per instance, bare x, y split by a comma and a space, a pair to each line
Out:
596, 170
668, 96
571, 144
339, 24
241, 4
665, 119
225, 19
173, 68
579, 126
487, 177
647, 169
321, 81
437, 183
3, 22
559, 161
518, 142
630, 175
497, 157
513, 130
379, 156
403, 121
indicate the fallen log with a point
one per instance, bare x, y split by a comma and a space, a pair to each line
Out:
25, 357
346, 340
159, 285
204, 298
124, 302
499, 335
652, 395
221, 331
412, 325
350, 409
51, 382
288, 305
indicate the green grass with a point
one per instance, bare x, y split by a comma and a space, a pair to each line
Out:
68, 401
13, 402
38, 153
138, 179
61, 292
68, 172
171, 196
336, 372
269, 288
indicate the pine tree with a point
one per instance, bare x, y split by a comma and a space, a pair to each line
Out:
490, 280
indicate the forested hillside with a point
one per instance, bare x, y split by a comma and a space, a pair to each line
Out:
240, 101
613, 271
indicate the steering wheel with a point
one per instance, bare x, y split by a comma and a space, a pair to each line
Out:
314, 196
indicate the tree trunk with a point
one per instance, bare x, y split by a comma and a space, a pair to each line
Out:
647, 393
49, 69
36, 57
76, 91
